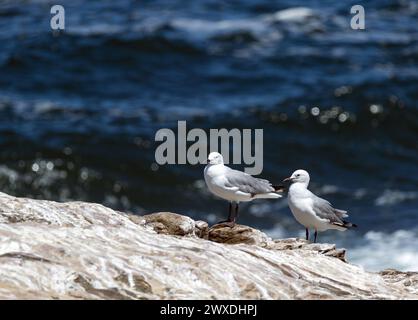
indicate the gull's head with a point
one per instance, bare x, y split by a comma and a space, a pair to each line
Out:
299, 176
215, 158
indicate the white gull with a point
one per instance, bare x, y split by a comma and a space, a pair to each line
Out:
236, 186
312, 211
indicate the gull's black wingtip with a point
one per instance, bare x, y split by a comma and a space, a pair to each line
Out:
349, 224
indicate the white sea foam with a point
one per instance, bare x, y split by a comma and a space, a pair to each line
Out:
262, 27
328, 189
391, 197
95, 29
10, 174
379, 251
298, 14
210, 28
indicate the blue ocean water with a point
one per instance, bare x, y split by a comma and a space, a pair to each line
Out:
79, 109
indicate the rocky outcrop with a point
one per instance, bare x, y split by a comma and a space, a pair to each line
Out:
51, 250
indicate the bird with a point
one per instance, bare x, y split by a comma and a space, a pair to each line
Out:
236, 186
312, 211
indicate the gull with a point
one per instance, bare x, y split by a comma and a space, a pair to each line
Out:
312, 211
236, 186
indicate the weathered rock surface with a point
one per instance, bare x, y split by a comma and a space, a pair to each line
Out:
77, 250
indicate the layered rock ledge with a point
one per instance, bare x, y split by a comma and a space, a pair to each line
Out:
77, 250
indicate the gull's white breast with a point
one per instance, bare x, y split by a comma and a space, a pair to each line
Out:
301, 205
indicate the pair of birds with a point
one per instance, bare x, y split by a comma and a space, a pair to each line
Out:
308, 209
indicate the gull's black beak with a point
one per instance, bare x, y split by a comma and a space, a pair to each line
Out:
287, 179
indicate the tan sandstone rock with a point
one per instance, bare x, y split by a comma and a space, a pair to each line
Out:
76, 250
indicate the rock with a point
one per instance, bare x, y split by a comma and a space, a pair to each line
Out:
170, 223
294, 244
408, 279
202, 229
238, 234
76, 250
288, 244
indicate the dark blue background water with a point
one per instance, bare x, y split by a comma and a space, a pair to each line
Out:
79, 110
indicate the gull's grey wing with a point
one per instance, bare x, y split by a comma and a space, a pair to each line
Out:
247, 183
325, 210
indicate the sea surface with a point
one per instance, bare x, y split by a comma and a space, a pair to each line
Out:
79, 108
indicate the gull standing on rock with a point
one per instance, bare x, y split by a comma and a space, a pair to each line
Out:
312, 211
236, 186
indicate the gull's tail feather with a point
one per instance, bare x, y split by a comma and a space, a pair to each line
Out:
270, 195
341, 213
279, 188
344, 225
